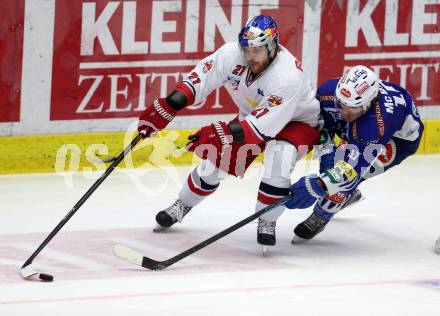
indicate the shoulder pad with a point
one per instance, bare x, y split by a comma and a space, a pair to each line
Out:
230, 47
283, 82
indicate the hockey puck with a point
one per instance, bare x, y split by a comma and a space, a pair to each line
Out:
46, 277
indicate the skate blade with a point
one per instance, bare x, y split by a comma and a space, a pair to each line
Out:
159, 229
265, 250
437, 246
358, 201
354, 202
298, 240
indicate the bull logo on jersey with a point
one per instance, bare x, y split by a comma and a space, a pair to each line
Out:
274, 100
345, 93
207, 66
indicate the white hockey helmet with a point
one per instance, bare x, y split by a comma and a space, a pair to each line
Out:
358, 87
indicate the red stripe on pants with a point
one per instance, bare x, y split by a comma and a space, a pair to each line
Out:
267, 199
196, 190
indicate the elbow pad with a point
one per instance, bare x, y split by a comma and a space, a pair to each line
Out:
177, 100
182, 96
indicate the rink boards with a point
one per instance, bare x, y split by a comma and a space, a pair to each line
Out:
82, 152
78, 74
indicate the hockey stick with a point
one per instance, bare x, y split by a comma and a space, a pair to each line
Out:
136, 258
105, 160
27, 271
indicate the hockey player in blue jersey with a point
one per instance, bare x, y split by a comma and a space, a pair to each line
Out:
379, 126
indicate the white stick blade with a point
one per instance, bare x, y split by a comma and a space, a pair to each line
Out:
128, 254
28, 272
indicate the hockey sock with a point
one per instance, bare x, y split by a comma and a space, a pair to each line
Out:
201, 182
269, 194
279, 161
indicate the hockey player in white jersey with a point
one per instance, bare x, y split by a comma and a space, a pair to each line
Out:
276, 102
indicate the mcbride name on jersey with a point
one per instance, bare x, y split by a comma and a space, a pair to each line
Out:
278, 95
393, 115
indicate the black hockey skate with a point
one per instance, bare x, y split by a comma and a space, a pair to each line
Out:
171, 215
355, 198
308, 229
266, 234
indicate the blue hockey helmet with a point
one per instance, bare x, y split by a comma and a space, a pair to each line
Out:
258, 31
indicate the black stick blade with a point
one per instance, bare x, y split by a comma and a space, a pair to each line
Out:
153, 264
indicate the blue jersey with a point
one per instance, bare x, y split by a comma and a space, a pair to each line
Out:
393, 115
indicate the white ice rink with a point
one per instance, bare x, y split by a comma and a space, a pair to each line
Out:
375, 258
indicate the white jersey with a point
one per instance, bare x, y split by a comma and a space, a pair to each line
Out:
278, 95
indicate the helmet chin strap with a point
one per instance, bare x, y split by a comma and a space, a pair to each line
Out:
274, 51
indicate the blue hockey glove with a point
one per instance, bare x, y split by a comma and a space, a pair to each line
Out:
305, 192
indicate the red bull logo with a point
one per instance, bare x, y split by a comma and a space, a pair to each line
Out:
249, 35
207, 66
270, 32
274, 100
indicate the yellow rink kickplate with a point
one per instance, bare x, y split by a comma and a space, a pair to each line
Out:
79, 152
74, 152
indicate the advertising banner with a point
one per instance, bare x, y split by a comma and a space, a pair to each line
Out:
113, 58
399, 39
94, 65
11, 51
